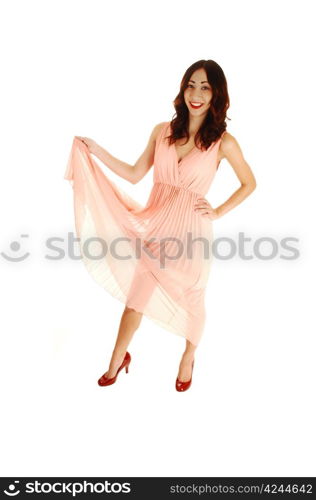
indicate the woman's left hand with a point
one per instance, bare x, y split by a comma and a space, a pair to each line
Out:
205, 209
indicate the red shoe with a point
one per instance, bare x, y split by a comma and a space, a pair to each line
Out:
108, 381
183, 386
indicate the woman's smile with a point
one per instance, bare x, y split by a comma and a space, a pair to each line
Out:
196, 105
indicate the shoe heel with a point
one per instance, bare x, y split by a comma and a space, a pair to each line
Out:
109, 381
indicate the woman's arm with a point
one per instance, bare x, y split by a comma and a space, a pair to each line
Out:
132, 173
231, 150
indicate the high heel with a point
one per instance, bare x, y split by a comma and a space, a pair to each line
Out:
109, 381
183, 386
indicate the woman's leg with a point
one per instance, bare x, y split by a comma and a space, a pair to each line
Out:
185, 368
141, 290
130, 321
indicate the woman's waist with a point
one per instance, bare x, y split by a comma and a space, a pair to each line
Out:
168, 186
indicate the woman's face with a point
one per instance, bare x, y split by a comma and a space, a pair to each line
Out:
198, 92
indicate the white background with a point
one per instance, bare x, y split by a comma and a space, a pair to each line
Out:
110, 71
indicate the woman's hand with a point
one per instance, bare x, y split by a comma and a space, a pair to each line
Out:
204, 208
90, 143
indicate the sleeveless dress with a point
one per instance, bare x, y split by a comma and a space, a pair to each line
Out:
155, 258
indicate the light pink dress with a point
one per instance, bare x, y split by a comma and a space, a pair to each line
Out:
146, 256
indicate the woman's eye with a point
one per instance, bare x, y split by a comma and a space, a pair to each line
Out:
207, 88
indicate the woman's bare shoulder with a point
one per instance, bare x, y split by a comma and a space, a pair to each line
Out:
228, 143
160, 126
157, 130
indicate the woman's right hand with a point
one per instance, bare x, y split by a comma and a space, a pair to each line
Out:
90, 143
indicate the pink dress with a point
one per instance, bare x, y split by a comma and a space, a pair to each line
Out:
154, 258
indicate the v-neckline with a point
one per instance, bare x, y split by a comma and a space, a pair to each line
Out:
185, 156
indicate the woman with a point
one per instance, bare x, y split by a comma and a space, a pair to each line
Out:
167, 281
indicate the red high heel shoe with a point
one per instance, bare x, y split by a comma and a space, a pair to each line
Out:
183, 386
108, 381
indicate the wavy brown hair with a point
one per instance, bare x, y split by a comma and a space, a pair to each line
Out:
214, 123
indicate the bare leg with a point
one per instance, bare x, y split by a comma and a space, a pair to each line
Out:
130, 321
185, 368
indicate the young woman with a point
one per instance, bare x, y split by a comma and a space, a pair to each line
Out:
166, 281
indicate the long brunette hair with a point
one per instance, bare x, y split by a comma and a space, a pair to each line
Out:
214, 123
